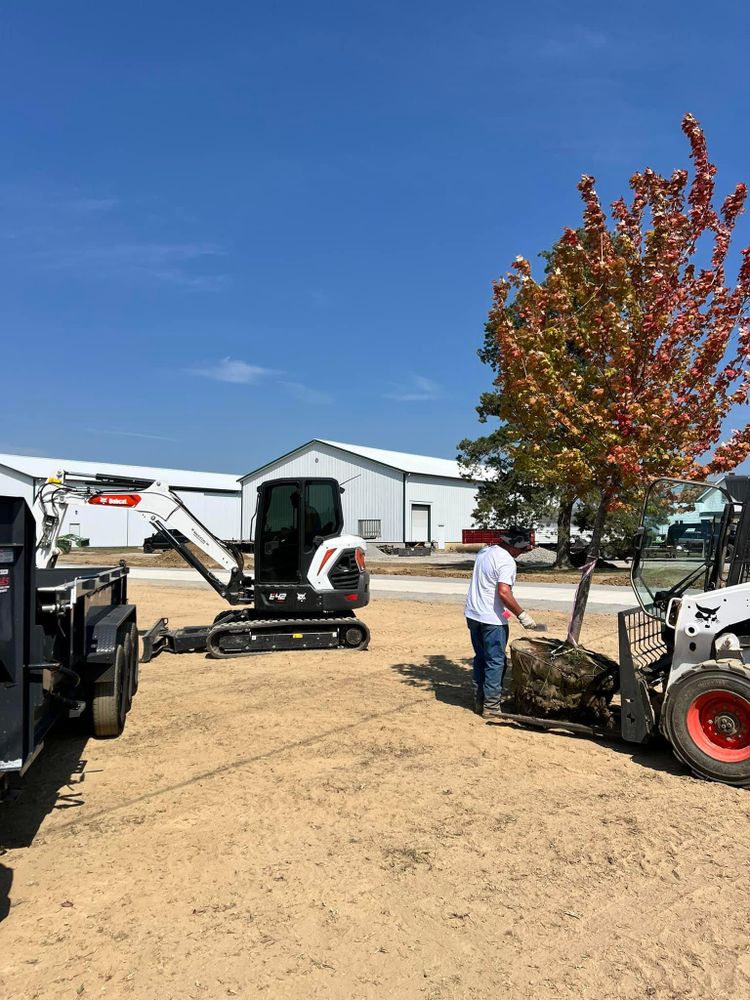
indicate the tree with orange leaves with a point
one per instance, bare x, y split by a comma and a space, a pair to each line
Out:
624, 361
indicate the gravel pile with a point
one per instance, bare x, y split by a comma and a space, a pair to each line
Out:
537, 557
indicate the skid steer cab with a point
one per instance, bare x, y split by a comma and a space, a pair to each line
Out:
303, 560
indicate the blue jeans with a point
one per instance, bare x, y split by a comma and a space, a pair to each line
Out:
489, 642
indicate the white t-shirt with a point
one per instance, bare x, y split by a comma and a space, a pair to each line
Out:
483, 603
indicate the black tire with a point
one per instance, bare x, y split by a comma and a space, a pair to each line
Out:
127, 645
148, 549
109, 702
135, 664
706, 717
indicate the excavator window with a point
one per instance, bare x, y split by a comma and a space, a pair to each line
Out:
321, 513
277, 560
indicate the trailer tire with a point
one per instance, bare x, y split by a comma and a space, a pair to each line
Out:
706, 718
109, 701
127, 645
136, 660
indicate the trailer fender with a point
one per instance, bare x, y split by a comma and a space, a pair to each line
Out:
105, 629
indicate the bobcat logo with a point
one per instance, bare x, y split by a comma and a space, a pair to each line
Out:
707, 615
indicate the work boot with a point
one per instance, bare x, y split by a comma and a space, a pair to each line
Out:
493, 711
478, 705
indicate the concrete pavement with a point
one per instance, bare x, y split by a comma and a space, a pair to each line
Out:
452, 590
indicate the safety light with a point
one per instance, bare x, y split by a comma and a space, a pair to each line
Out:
325, 559
116, 500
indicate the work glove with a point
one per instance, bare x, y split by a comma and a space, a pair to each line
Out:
527, 621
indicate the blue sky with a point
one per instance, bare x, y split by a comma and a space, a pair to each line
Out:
228, 228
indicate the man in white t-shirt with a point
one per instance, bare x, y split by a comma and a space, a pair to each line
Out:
489, 604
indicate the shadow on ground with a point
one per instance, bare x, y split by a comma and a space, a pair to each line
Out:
53, 782
451, 681
654, 756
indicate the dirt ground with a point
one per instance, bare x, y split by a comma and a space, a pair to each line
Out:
340, 825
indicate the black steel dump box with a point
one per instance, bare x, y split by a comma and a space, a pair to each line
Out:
68, 645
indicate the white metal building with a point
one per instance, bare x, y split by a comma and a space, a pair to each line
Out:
389, 496
213, 497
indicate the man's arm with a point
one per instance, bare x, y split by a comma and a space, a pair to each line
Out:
506, 595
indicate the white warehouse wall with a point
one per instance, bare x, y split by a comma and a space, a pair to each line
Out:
15, 484
373, 491
107, 526
451, 503
110, 527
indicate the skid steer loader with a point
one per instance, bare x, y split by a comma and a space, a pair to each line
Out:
684, 652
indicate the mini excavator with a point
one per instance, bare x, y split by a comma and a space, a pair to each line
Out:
309, 576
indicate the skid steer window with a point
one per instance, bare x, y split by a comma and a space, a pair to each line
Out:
679, 542
278, 559
322, 517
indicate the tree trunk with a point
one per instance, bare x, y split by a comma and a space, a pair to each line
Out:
582, 592
564, 517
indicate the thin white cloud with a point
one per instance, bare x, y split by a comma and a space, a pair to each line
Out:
574, 43
91, 206
73, 231
130, 434
170, 263
306, 393
420, 389
232, 370
20, 449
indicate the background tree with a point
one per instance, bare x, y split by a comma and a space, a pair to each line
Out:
504, 496
619, 528
520, 486
625, 361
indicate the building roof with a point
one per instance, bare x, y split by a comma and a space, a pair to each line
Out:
41, 468
420, 465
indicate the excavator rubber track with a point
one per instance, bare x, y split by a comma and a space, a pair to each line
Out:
239, 634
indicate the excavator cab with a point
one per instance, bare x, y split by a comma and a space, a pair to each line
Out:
294, 517
304, 563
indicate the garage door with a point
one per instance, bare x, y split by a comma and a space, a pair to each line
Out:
420, 523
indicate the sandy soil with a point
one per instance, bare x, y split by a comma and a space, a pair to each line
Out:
340, 825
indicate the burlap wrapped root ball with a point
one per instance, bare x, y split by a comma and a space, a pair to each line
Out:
554, 680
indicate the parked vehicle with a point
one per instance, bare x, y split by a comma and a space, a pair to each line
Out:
487, 536
159, 542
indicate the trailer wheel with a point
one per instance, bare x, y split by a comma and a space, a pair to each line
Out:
136, 661
707, 720
127, 645
109, 703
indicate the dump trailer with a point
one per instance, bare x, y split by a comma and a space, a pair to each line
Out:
68, 645
683, 668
